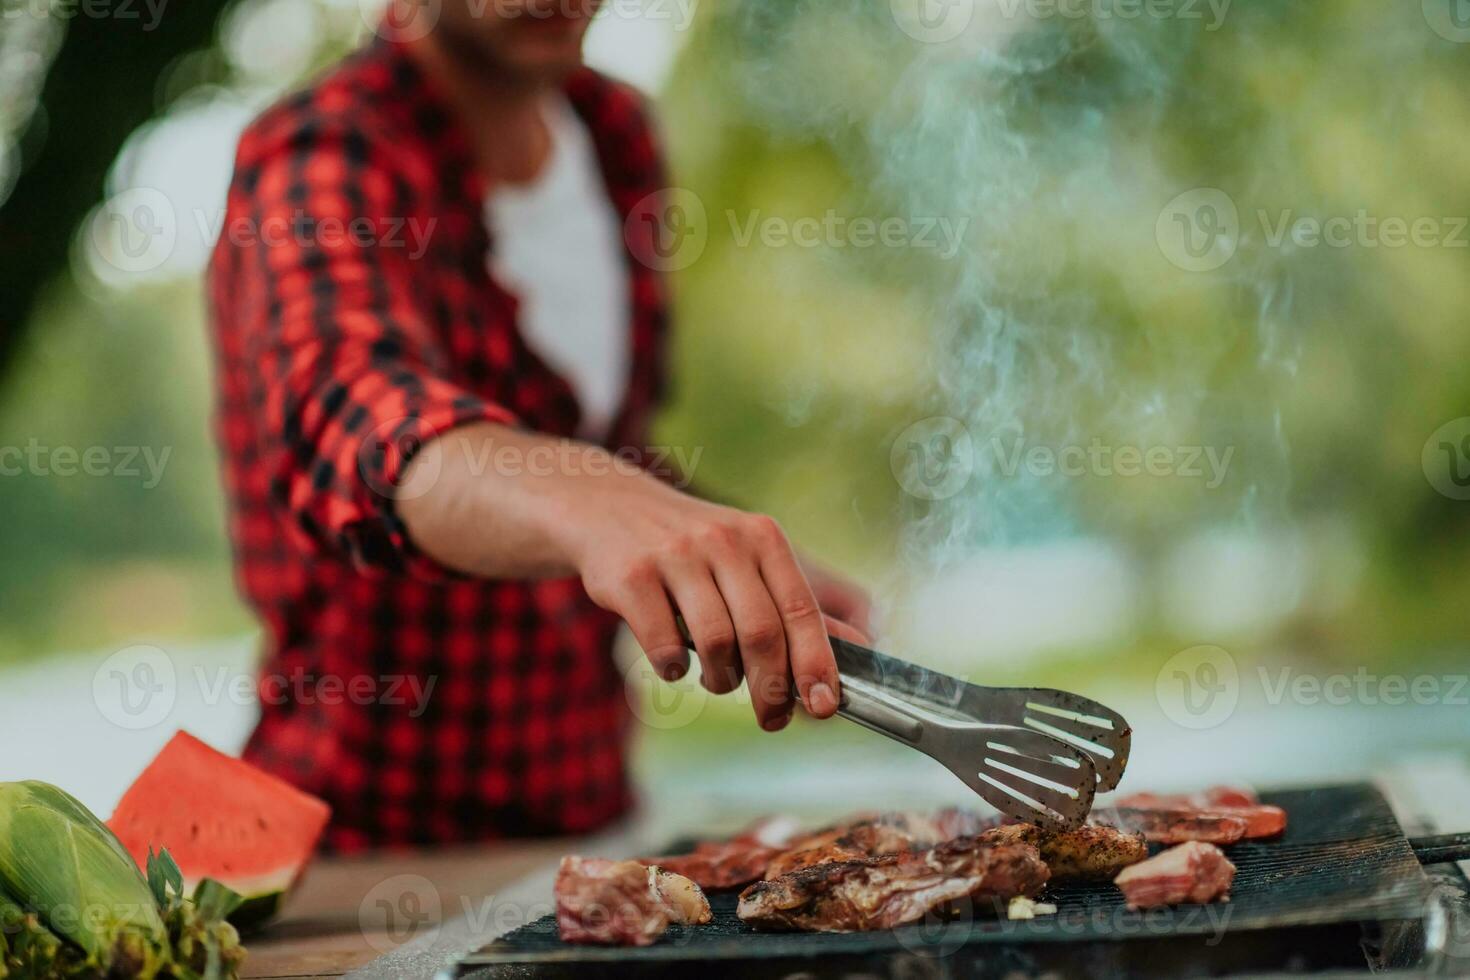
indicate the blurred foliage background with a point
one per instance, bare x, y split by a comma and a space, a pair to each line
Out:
1061, 319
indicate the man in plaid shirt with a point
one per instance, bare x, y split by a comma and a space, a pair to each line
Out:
383, 405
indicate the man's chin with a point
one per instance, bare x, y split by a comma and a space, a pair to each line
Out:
554, 54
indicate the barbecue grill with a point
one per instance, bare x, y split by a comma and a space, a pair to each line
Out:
1344, 888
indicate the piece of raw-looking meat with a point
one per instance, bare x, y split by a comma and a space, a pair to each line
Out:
623, 903
1205, 798
1089, 852
1261, 820
723, 865
1173, 826
884, 892
1191, 872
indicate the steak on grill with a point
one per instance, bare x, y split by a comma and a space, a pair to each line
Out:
1191, 872
866, 837
1089, 852
623, 903
888, 891
734, 863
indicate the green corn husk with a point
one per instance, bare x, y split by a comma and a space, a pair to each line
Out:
61, 862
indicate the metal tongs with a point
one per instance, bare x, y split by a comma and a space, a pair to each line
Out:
1034, 753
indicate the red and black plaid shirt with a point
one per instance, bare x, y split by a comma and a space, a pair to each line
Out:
354, 320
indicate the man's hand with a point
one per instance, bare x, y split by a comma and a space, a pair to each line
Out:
644, 551
841, 599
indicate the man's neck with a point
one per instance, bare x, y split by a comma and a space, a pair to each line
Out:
503, 115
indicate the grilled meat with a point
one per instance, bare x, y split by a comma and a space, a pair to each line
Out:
1192, 872
1088, 852
722, 865
683, 898
867, 837
1173, 826
888, 891
863, 840
622, 903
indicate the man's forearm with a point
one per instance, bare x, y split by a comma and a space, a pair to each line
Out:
497, 502
489, 500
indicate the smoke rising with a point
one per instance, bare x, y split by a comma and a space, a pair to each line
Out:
1063, 320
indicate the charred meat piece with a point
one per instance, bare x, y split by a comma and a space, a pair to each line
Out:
1191, 872
863, 840
1173, 826
722, 865
873, 836
880, 893
1089, 852
622, 903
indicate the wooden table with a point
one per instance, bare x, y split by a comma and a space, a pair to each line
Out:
351, 911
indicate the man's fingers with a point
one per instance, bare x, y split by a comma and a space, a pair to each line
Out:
840, 630
762, 638
709, 624
812, 666
646, 610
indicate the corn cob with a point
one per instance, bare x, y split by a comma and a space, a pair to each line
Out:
204, 946
63, 864
74, 906
30, 951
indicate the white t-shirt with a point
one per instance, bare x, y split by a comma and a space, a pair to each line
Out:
558, 245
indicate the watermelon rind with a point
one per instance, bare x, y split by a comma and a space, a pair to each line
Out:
222, 819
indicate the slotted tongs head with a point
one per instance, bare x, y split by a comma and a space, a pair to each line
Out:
1035, 754
1099, 732
1025, 774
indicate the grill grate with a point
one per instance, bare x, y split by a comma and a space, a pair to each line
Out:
1343, 860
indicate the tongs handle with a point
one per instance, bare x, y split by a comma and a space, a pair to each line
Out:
860, 704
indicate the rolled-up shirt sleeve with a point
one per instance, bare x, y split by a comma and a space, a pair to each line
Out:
348, 378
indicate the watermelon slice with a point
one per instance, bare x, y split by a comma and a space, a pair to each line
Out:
224, 819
